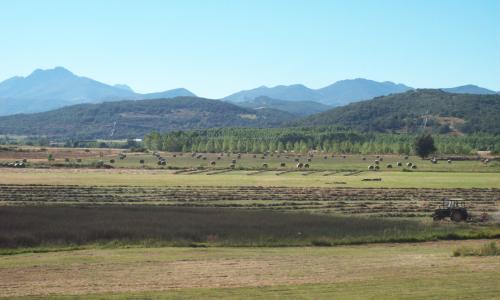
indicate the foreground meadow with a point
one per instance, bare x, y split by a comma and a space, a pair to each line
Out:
388, 271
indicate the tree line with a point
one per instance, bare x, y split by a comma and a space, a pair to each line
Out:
304, 139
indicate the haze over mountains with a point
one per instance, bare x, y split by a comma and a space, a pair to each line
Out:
44, 90
336, 94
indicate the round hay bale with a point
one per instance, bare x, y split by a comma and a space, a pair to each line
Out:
111, 161
297, 160
141, 161
406, 157
233, 161
254, 156
306, 166
449, 161
204, 158
309, 160
376, 162
409, 164
264, 166
282, 164
325, 157
377, 167
218, 157
212, 163
370, 167
66, 159
389, 166
300, 165
78, 160
399, 164
231, 166
381, 159
364, 158
25, 160
414, 167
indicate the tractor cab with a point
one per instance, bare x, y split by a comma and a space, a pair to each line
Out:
453, 208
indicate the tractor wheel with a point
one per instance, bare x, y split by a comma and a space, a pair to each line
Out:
437, 218
457, 216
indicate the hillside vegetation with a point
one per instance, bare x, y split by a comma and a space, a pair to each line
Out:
136, 118
298, 108
408, 112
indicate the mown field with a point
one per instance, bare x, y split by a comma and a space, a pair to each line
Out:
380, 202
67, 157
378, 271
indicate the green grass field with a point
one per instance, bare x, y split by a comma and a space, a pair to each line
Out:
391, 271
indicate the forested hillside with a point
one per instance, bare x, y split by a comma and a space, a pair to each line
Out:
124, 119
410, 111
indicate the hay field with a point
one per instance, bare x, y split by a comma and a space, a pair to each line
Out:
388, 271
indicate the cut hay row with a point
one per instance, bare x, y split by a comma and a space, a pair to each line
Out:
311, 172
353, 173
331, 173
341, 200
257, 172
220, 171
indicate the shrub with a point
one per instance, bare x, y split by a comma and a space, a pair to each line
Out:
488, 249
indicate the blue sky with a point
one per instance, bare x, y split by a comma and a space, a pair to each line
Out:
217, 47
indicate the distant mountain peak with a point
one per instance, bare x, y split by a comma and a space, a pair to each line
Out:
47, 89
469, 89
123, 87
61, 71
338, 93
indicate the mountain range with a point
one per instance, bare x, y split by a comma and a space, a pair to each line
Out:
43, 90
409, 112
336, 94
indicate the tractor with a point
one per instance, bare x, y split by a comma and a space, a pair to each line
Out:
453, 209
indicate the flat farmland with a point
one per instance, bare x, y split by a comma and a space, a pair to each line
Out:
379, 271
67, 157
135, 177
196, 228
395, 202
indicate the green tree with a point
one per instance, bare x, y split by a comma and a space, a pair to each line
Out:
424, 145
